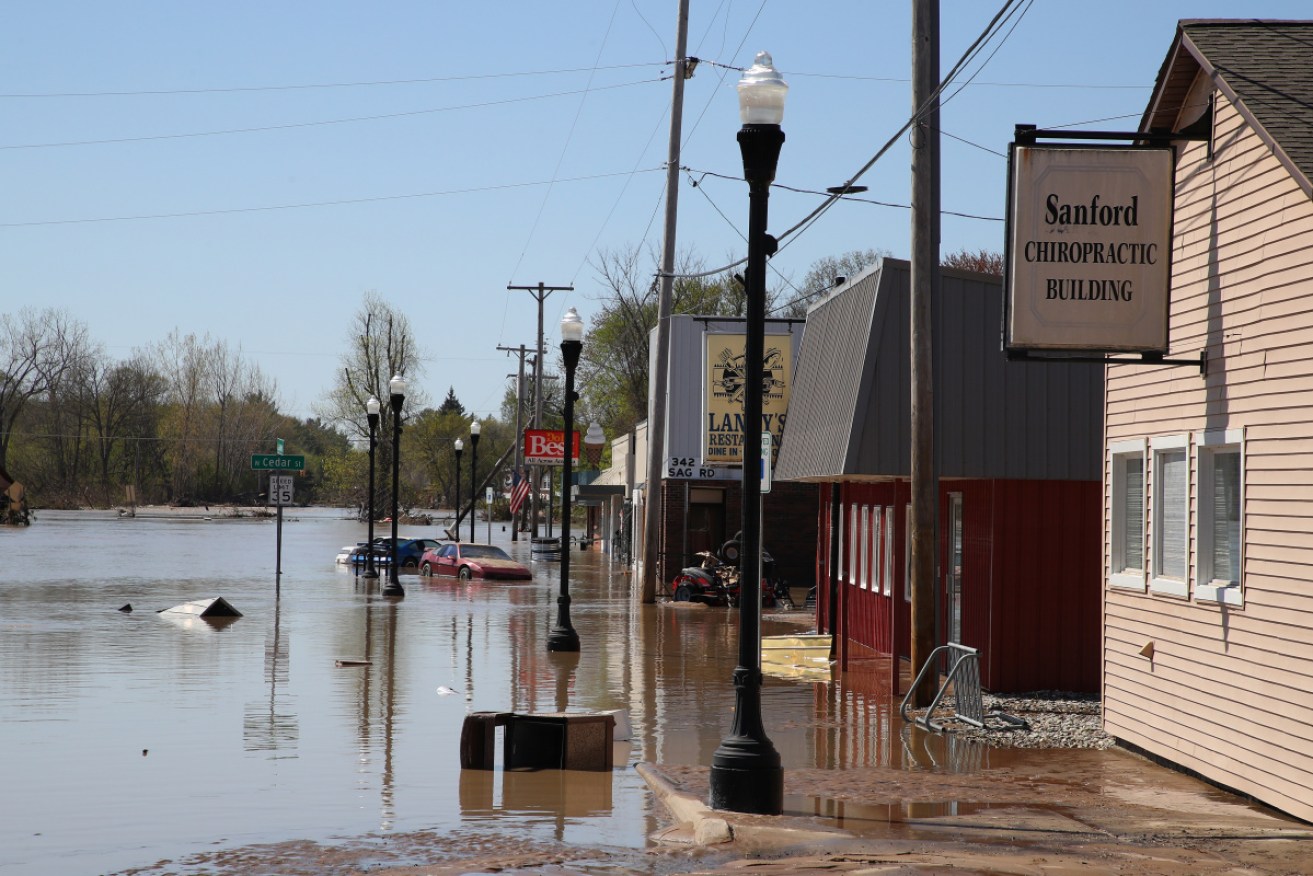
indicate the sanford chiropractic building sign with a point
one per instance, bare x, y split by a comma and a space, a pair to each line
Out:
1089, 248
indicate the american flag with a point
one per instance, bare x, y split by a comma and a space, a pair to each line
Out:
519, 490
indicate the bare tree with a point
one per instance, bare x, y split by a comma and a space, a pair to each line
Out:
381, 344
982, 261
37, 348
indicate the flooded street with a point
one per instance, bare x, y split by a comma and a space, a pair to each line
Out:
132, 737
146, 743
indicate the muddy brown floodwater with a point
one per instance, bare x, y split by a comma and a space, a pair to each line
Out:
318, 733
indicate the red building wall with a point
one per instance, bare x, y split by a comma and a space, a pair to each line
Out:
1031, 573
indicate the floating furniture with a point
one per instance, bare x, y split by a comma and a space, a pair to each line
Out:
550, 741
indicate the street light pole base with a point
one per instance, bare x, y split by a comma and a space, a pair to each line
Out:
370, 574
393, 588
563, 639
746, 780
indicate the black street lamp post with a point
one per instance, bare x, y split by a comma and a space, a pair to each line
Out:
371, 413
460, 446
563, 636
397, 388
475, 429
746, 775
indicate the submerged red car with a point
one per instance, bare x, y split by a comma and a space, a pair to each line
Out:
470, 560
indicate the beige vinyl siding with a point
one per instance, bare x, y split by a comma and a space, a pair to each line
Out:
1229, 691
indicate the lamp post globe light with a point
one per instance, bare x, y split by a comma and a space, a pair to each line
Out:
475, 429
372, 408
563, 636
397, 392
460, 446
746, 775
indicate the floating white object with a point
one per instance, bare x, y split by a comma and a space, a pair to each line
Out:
215, 606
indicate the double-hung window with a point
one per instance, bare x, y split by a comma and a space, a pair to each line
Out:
1170, 535
1220, 500
1127, 512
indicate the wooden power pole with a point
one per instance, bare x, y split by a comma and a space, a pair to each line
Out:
539, 292
656, 423
924, 291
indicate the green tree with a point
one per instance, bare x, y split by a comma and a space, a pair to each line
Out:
451, 404
613, 370
825, 274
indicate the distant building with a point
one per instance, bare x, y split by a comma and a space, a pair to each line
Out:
1208, 480
1018, 461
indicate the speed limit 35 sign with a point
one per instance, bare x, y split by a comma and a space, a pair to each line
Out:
280, 489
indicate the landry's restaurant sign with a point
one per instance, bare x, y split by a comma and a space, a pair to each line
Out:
727, 374
1089, 248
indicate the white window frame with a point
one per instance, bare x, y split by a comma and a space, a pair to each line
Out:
864, 549
1208, 445
887, 558
1119, 575
1159, 583
854, 543
907, 553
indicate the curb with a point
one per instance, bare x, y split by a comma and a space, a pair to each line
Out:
700, 825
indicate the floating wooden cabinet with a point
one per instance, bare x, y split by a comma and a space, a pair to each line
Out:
553, 741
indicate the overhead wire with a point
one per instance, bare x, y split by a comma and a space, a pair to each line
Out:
322, 122
335, 203
988, 33
317, 85
569, 137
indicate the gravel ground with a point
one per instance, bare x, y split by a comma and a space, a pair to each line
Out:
1054, 719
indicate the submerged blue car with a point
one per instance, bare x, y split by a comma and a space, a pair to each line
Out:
409, 551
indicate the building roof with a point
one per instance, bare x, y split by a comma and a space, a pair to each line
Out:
1264, 67
850, 408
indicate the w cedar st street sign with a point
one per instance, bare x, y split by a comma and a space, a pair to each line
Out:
275, 462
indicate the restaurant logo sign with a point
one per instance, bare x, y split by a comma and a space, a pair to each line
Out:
727, 377
1089, 248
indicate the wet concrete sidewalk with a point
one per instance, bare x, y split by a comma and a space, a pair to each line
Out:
1080, 812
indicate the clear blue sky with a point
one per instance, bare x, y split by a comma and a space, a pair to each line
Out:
407, 148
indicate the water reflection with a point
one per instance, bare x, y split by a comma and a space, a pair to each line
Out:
273, 726
297, 746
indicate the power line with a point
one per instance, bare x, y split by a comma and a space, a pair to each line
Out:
972, 51
336, 203
323, 122
319, 85
569, 138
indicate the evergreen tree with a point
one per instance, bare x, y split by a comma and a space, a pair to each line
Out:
451, 404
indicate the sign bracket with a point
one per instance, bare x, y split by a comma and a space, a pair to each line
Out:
1015, 355
1028, 135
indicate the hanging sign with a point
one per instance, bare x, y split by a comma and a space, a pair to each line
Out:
547, 447
1089, 248
727, 375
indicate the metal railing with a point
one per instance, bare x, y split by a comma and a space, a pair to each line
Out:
967, 702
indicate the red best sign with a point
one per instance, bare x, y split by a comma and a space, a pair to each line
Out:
547, 447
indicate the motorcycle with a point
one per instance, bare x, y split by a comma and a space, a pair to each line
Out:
711, 581
716, 581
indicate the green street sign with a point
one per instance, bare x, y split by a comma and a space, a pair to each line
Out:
274, 462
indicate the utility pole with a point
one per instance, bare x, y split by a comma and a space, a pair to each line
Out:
521, 351
924, 292
656, 422
540, 292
